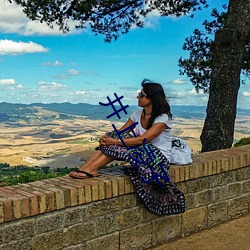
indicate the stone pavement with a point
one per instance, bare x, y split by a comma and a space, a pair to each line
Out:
232, 235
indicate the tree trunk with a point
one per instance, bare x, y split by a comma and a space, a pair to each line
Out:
227, 56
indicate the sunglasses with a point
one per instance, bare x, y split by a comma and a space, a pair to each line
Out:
140, 94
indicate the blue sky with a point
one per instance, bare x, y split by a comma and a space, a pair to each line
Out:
38, 64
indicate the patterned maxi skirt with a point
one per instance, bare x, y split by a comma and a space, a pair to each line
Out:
159, 195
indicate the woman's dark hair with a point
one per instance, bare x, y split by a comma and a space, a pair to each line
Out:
155, 93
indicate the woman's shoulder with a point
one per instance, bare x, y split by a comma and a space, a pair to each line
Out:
163, 116
137, 112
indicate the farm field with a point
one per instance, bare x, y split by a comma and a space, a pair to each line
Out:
70, 142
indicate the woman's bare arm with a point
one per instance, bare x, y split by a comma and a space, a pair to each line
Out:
151, 134
128, 123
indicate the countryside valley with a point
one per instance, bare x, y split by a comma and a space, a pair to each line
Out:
65, 134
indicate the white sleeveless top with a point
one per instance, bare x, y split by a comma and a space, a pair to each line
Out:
163, 141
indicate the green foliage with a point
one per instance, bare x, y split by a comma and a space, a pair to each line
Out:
198, 67
108, 17
23, 174
242, 142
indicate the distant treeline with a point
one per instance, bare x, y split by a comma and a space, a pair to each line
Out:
12, 175
24, 174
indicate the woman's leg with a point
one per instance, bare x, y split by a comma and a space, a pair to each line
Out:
98, 160
95, 156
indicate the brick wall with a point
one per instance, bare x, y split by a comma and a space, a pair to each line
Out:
105, 213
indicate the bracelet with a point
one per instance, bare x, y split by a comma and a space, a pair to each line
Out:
119, 141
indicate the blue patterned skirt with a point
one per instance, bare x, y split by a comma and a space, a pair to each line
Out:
150, 176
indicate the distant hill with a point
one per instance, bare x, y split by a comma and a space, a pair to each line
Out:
10, 112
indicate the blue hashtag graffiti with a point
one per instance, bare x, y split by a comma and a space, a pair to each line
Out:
112, 104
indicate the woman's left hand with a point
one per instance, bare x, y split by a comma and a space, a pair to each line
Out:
107, 141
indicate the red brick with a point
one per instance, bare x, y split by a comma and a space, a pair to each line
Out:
50, 200
231, 160
6, 192
38, 184
181, 174
243, 160
114, 184
174, 174
235, 161
101, 191
127, 185
238, 165
46, 194
115, 188
41, 201
108, 189
25, 206
186, 172
33, 200
94, 193
210, 168
121, 185
1, 211
87, 193
78, 184
248, 159
225, 164
192, 171
17, 210
132, 188
201, 170
95, 183
72, 194
59, 198
7, 209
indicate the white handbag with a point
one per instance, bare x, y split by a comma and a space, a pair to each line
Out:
180, 152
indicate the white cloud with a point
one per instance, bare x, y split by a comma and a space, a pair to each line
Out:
73, 72
10, 84
178, 81
19, 86
13, 20
100, 89
187, 97
15, 48
180, 94
7, 82
80, 92
152, 19
51, 86
246, 93
55, 63
194, 92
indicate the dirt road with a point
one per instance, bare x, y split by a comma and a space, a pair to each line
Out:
233, 235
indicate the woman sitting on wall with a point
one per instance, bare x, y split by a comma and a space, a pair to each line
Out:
151, 144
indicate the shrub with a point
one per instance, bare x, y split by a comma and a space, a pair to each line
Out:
242, 142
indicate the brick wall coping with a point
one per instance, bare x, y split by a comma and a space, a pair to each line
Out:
39, 197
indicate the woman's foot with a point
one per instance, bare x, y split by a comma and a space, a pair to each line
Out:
83, 174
